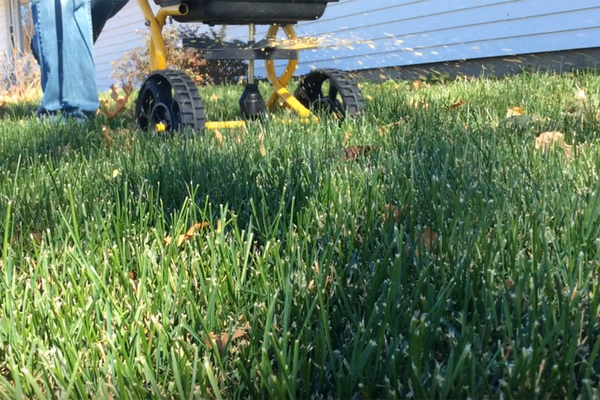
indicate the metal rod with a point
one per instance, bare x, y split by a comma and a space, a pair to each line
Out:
251, 41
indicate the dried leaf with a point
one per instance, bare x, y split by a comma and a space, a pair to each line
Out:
120, 102
181, 239
115, 173
128, 88
214, 97
356, 152
386, 128
509, 283
36, 236
417, 84
223, 339
395, 211
263, 151
114, 94
456, 104
548, 140
581, 95
418, 104
515, 111
218, 137
426, 242
106, 136
389, 211
347, 137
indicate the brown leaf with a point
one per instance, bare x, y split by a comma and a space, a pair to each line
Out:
114, 94
427, 241
389, 211
181, 239
418, 104
386, 128
106, 136
417, 84
223, 339
36, 236
128, 88
456, 104
347, 137
218, 137
509, 283
548, 140
356, 152
515, 111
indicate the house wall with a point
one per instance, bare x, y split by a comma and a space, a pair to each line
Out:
122, 33
365, 34
4, 24
362, 34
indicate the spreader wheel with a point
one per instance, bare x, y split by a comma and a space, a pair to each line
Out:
169, 101
330, 90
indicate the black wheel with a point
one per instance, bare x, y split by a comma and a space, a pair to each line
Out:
332, 91
169, 101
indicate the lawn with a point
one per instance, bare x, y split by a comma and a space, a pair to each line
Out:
450, 259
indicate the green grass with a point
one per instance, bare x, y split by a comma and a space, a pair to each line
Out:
338, 299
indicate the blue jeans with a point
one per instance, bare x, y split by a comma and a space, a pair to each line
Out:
65, 31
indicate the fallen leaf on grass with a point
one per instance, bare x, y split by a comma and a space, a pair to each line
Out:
427, 242
515, 111
418, 104
456, 104
181, 239
347, 137
223, 339
106, 136
116, 173
417, 85
119, 101
389, 211
386, 128
214, 97
548, 140
581, 95
395, 211
218, 137
356, 152
510, 284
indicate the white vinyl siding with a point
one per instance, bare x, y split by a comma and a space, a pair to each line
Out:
362, 34
121, 33
4, 29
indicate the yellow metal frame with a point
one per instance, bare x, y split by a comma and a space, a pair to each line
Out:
280, 96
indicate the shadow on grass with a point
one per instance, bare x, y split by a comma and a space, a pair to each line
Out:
156, 172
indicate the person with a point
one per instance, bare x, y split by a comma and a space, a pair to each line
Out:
65, 31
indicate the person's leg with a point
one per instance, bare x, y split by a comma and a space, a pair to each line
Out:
102, 11
63, 42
